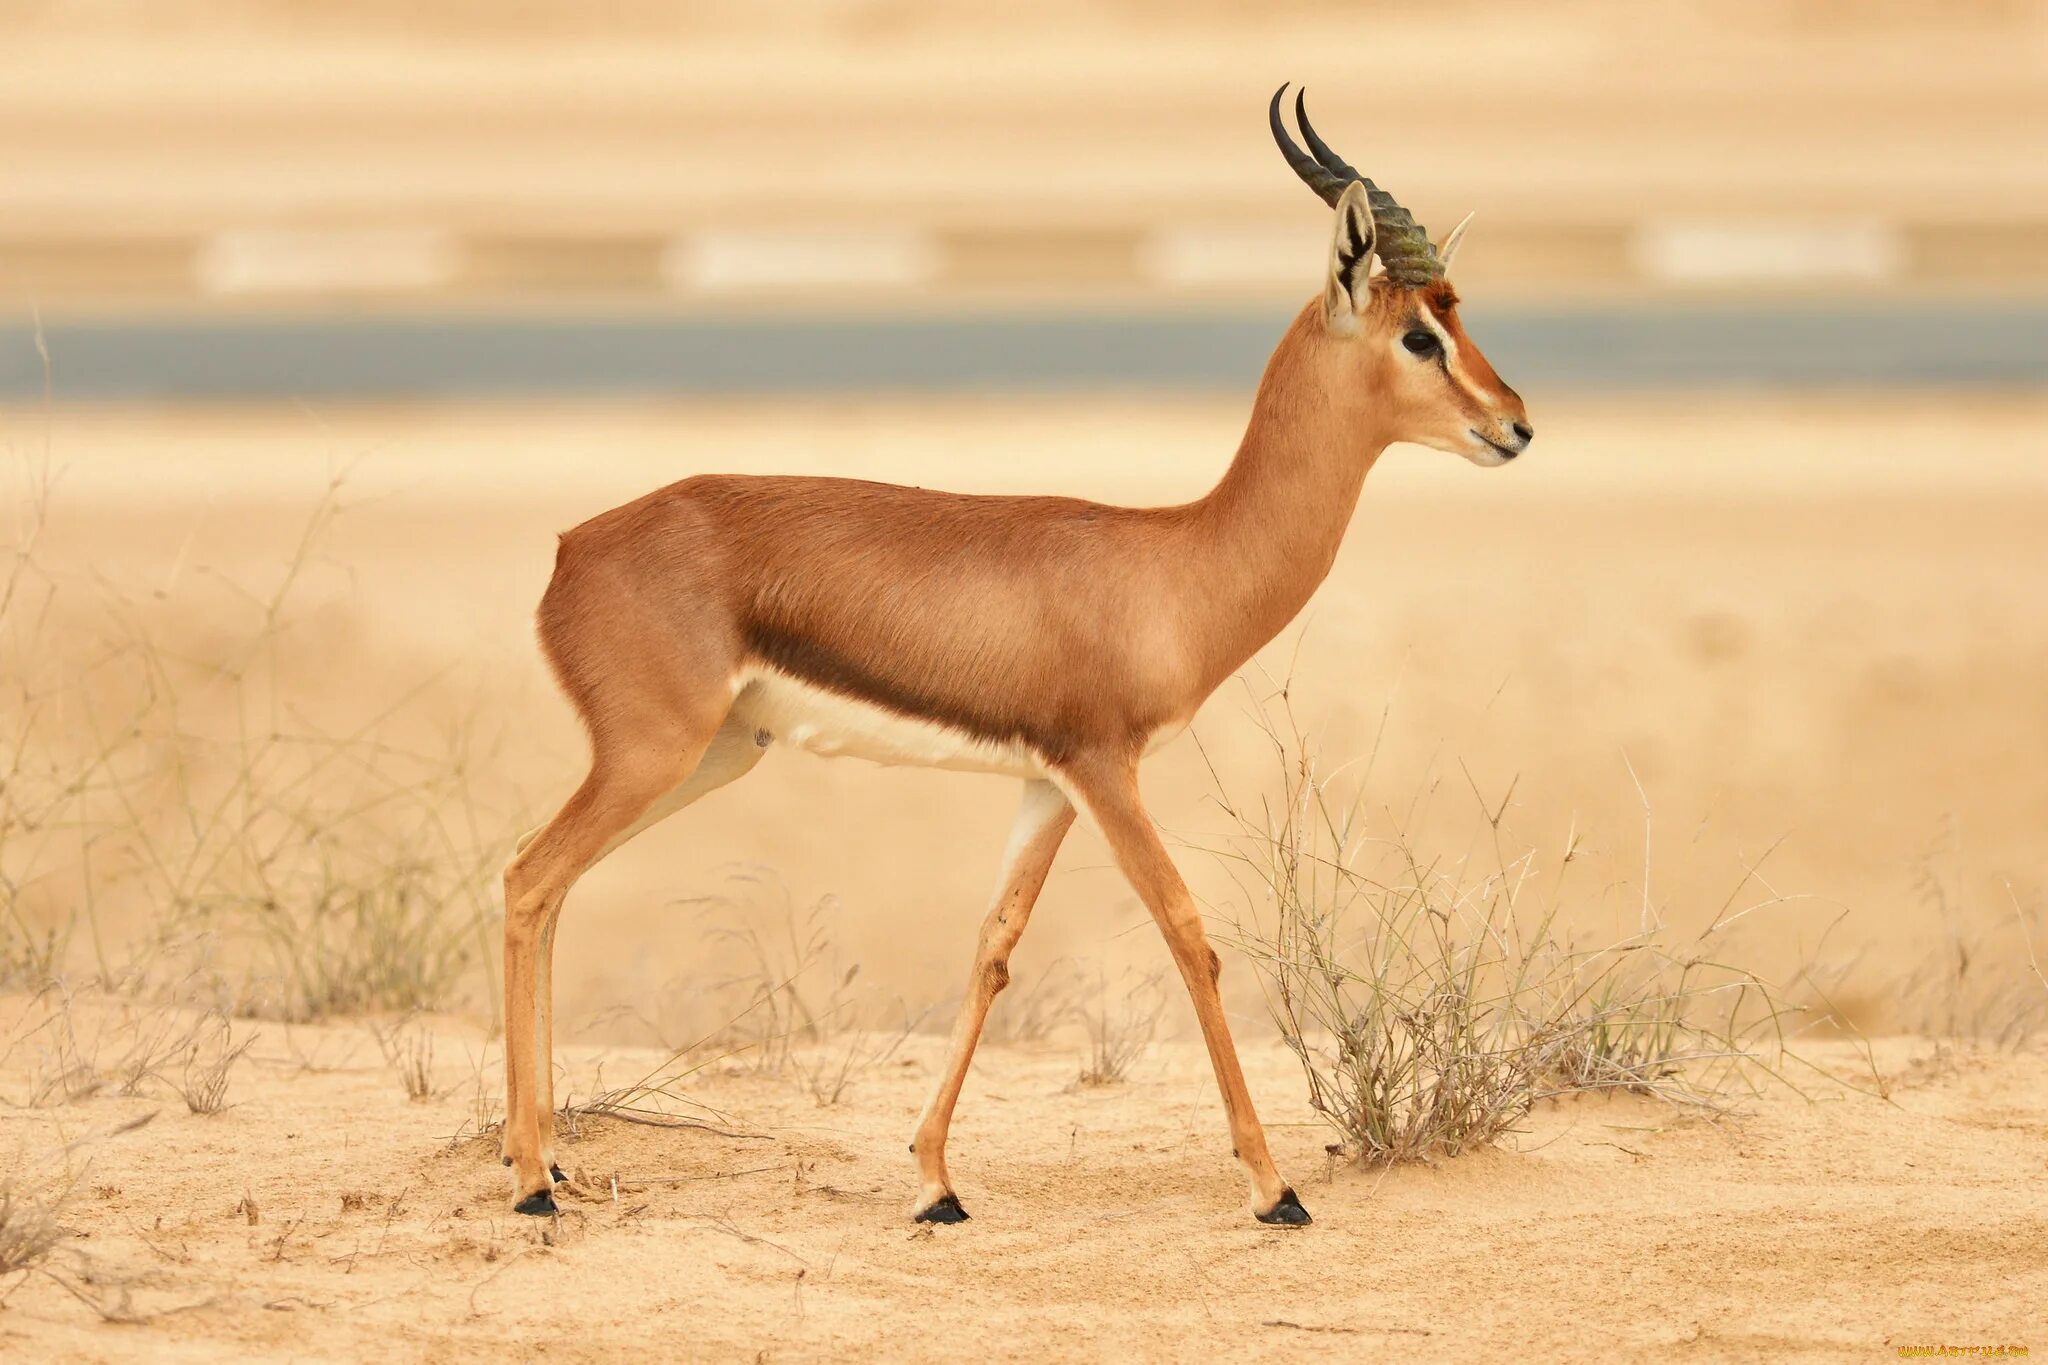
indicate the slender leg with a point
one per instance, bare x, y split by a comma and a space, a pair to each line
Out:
1109, 789
1042, 821
620, 789
730, 755
544, 1033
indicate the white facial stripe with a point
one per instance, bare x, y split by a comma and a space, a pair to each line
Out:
1451, 361
1443, 337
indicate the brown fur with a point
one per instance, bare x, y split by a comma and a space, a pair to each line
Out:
1074, 629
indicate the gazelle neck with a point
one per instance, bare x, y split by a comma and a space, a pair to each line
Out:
1269, 531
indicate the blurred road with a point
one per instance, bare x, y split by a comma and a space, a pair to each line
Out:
1893, 344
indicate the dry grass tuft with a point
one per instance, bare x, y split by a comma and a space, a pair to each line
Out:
656, 1099
29, 1231
209, 1066
82, 1042
408, 1049
1986, 982
1429, 1002
155, 773
1028, 1012
791, 1001
1121, 1024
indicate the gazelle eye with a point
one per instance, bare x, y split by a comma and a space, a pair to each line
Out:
1420, 342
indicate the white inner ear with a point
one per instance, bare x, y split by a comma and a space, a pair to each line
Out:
1351, 261
1450, 246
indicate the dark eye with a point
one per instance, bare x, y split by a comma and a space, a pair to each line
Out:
1420, 342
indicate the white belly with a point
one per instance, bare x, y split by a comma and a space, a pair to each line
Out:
795, 713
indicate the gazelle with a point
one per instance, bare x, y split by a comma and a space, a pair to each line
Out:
1049, 639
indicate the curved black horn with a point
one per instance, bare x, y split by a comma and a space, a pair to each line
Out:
1327, 185
1399, 241
1335, 164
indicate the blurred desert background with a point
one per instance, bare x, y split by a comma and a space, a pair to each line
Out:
317, 325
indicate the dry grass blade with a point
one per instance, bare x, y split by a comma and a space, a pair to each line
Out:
1430, 1003
828, 1072
416, 1068
656, 1099
791, 1002
155, 768
1121, 1024
158, 1037
1030, 1010
1982, 982
29, 1231
408, 1050
209, 1067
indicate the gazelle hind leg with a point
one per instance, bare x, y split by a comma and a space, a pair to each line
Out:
624, 783
1042, 822
1109, 790
730, 755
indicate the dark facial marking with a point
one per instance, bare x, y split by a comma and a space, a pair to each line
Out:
1420, 340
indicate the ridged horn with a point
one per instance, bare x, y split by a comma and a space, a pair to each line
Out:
1326, 185
1401, 244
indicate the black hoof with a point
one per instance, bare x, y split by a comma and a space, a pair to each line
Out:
539, 1204
1288, 1213
945, 1209
555, 1174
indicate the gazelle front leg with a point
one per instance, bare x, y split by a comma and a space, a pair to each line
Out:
1042, 821
1109, 789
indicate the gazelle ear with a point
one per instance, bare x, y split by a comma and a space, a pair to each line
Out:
1450, 243
1351, 241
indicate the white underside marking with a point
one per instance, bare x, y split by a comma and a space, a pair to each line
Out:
790, 711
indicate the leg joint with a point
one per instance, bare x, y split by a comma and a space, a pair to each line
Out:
526, 902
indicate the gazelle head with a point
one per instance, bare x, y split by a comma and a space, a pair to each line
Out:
1398, 326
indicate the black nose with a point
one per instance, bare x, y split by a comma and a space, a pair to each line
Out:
1525, 431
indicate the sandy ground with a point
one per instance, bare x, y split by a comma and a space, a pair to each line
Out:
1812, 627
1108, 1222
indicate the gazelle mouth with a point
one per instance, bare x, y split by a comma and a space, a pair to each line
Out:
1505, 452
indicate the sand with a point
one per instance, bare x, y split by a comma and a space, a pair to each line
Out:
1107, 1222
1811, 627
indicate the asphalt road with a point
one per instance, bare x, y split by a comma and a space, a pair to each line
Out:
448, 355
